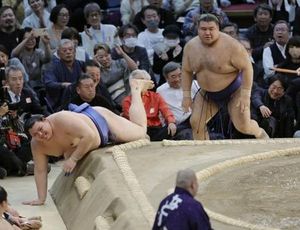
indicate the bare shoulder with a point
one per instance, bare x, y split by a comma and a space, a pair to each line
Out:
230, 42
37, 147
193, 44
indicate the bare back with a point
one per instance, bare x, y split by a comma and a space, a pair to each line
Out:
67, 128
213, 65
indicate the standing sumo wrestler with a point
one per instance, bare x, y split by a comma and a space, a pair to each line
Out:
224, 73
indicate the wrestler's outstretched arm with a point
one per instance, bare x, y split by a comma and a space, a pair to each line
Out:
40, 174
187, 78
240, 59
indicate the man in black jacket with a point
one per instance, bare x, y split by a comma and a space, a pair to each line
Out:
273, 109
261, 33
21, 100
86, 92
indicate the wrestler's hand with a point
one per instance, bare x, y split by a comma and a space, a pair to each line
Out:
172, 129
265, 111
69, 165
186, 104
244, 100
34, 202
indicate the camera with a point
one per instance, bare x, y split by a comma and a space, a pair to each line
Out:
13, 106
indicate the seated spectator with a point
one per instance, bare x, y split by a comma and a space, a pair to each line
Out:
129, 8
10, 163
114, 73
171, 49
17, 7
260, 34
292, 62
152, 35
231, 29
11, 219
172, 93
62, 73
284, 10
179, 7
10, 34
4, 224
17, 153
190, 21
180, 210
6, 62
49, 5
258, 71
26, 99
128, 35
275, 53
94, 71
98, 32
155, 106
39, 18
72, 34
166, 17
273, 109
59, 17
33, 58
86, 92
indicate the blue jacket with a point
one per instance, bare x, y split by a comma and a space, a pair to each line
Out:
55, 75
180, 211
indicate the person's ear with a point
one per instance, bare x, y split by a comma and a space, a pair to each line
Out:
77, 90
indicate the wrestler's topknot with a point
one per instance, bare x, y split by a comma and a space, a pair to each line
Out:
209, 18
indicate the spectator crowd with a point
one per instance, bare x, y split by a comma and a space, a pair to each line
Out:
53, 53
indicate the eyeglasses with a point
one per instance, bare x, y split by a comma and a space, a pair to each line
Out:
277, 88
63, 15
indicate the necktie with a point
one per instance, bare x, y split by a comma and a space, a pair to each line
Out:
17, 98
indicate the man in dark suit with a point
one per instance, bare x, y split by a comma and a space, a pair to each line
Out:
86, 93
21, 100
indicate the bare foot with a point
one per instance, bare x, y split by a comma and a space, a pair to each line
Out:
263, 135
141, 84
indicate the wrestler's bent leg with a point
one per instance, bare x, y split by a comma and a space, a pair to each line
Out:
242, 121
202, 111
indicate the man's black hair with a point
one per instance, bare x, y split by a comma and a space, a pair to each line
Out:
29, 123
263, 6
293, 41
149, 7
281, 78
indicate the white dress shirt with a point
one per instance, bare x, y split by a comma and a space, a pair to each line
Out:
268, 61
173, 97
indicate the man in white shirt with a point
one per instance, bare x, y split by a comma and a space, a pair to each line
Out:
98, 32
275, 53
172, 93
152, 35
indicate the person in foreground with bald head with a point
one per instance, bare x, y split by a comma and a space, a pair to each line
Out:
180, 210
